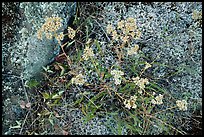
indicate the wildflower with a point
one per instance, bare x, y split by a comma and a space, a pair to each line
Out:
52, 24
71, 33
109, 28
89, 41
125, 38
127, 104
39, 34
117, 76
121, 24
196, 15
48, 35
157, 100
131, 102
138, 34
78, 80
131, 20
182, 104
133, 50
140, 82
140, 91
60, 36
117, 81
129, 27
115, 35
133, 98
88, 52
132, 34
147, 66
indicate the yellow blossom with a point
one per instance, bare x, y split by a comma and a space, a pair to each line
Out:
133, 50
78, 80
140, 91
157, 100
125, 38
131, 20
131, 102
127, 104
147, 65
39, 34
121, 24
132, 34
71, 33
138, 34
115, 35
48, 35
182, 104
117, 76
196, 15
140, 82
109, 28
52, 24
117, 72
88, 52
129, 27
60, 36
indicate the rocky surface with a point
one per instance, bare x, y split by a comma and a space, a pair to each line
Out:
167, 28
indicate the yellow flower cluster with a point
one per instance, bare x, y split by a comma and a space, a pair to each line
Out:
157, 100
52, 24
147, 65
88, 52
60, 36
78, 80
196, 15
128, 27
140, 82
71, 33
182, 104
131, 102
117, 76
133, 50
109, 28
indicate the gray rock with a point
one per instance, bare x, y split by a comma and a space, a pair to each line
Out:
39, 53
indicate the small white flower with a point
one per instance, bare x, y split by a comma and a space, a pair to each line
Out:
117, 76
88, 52
182, 104
157, 100
79, 80
133, 50
147, 65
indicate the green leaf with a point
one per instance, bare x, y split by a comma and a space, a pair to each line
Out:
32, 83
154, 85
95, 98
107, 75
68, 84
98, 46
70, 43
17, 126
57, 95
46, 95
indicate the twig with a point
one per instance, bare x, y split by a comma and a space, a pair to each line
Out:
25, 90
24, 123
103, 31
87, 97
181, 132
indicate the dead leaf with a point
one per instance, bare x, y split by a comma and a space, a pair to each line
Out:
28, 105
64, 132
22, 104
56, 67
56, 114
